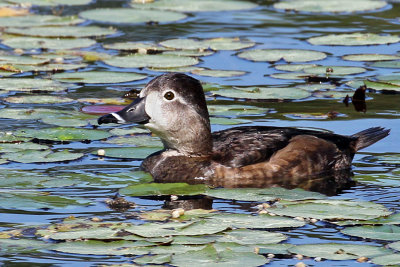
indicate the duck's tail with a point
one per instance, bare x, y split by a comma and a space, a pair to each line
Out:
370, 136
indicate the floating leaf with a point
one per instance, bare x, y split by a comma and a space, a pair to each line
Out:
228, 121
94, 247
383, 85
214, 44
275, 249
22, 60
141, 140
34, 156
154, 259
47, 43
157, 189
218, 73
338, 6
15, 147
52, 2
331, 209
63, 134
126, 15
293, 67
334, 70
98, 77
195, 6
252, 237
38, 99
122, 131
256, 222
387, 64
370, 57
289, 55
349, 39
290, 76
48, 67
386, 260
209, 256
263, 93
129, 152
107, 101
395, 245
236, 110
140, 47
27, 84
190, 53
22, 245
39, 20
264, 194
64, 31
151, 61
336, 251
384, 232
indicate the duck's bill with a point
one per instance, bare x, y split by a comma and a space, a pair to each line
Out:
135, 112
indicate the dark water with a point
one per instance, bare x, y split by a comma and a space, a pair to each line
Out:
270, 29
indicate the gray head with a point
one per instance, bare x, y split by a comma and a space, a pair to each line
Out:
173, 107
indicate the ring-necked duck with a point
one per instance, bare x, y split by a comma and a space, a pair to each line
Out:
173, 106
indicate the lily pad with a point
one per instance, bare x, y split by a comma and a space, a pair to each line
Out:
293, 67
153, 259
265, 194
22, 245
384, 232
123, 131
103, 77
22, 60
65, 31
36, 99
331, 209
370, 57
27, 84
387, 64
263, 93
39, 20
336, 251
218, 73
386, 260
395, 245
209, 256
130, 16
228, 121
52, 2
252, 237
34, 156
256, 222
354, 39
48, 67
289, 55
337, 70
141, 140
337, 6
128, 152
214, 44
141, 47
290, 76
48, 43
237, 110
157, 189
15, 147
196, 6
383, 85
9, 137
63, 134
190, 53
151, 61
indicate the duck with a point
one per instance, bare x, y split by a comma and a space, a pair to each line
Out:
173, 107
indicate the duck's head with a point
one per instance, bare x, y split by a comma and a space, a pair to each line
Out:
173, 107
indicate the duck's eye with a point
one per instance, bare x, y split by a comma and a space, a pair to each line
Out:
169, 95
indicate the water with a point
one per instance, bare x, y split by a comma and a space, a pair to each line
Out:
270, 29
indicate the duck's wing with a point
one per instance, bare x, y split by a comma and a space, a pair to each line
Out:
246, 145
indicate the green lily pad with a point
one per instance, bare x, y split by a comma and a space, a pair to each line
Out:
157, 189
63, 134
195, 240
387, 64
219, 73
338, 6
337, 70
52, 2
141, 140
126, 131
27, 200
395, 245
38, 99
64, 31
331, 209
39, 20
47, 43
3, 161
15, 147
127, 15
214, 44
128, 152
384, 232
151, 61
289, 55
27, 84
275, 249
22, 245
336, 251
107, 101
98, 77
290, 76
351, 39
228, 121
196, 6
386, 260
252, 237
22, 60
265, 194
370, 57
153, 259
48, 67
392, 219
263, 93
136, 47
236, 110
383, 85
263, 221
318, 87
177, 69
190, 53
293, 67
9, 137
209, 256
34, 156
311, 116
